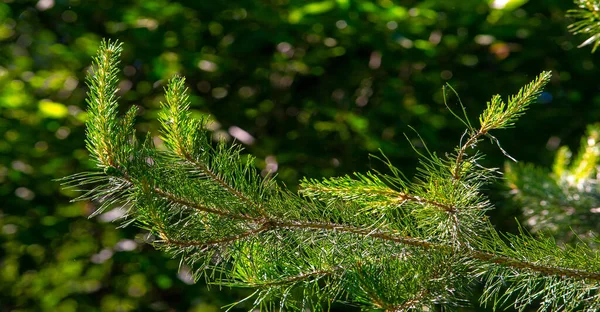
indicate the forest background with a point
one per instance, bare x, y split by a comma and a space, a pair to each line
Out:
309, 88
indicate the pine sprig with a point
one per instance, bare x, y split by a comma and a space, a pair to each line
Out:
375, 240
501, 115
107, 138
588, 22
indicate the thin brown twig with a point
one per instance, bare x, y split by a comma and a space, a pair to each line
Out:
265, 227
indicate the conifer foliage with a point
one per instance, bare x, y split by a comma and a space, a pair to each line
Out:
588, 21
380, 241
565, 199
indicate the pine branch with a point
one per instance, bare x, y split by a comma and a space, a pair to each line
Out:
499, 115
588, 22
381, 241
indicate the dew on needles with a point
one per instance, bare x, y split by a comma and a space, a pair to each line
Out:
377, 240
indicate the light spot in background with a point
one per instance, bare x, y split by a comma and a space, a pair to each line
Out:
219, 93
212, 125
52, 109
337, 95
129, 70
22, 166
241, 135
220, 136
312, 38
284, 47
148, 23
281, 81
484, 39
553, 143
446, 74
375, 60
91, 286
157, 141
208, 66
532, 221
102, 256
335, 162
362, 101
330, 42
341, 24
501, 50
405, 43
499, 4
41, 146
391, 25
435, 37
271, 165
70, 83
44, 5
124, 86
595, 210
112, 215
185, 275
246, 92
227, 40
62, 133
126, 245
9, 229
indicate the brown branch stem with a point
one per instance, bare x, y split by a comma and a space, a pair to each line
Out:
265, 227
463, 149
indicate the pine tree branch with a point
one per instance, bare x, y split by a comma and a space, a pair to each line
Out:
217, 242
196, 206
200, 199
393, 195
297, 278
410, 304
124, 176
499, 115
272, 223
474, 254
202, 167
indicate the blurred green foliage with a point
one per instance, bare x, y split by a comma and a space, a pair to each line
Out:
563, 201
310, 87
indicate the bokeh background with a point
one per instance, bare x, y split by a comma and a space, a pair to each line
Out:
311, 88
